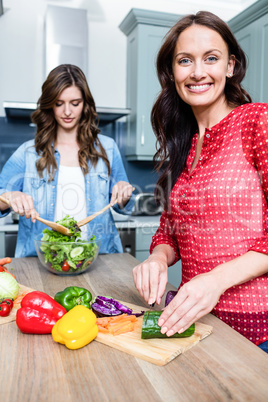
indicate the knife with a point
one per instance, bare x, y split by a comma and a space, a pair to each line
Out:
150, 309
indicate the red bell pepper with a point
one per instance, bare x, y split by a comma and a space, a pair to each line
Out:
38, 313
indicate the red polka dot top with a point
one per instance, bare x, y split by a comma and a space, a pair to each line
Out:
219, 212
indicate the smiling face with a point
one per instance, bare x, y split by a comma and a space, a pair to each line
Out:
200, 66
68, 108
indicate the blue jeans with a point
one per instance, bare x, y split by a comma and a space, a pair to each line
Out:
264, 346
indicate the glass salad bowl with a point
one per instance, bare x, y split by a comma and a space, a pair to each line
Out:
67, 257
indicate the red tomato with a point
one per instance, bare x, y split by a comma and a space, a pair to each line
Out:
7, 301
65, 266
4, 309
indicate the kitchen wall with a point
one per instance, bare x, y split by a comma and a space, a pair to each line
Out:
22, 43
22, 67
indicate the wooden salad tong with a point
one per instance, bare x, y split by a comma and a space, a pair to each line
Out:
52, 225
60, 228
91, 217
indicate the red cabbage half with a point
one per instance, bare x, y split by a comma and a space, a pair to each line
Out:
104, 306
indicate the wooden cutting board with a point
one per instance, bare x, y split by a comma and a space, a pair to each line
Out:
156, 351
12, 315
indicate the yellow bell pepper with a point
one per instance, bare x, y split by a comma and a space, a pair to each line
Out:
76, 328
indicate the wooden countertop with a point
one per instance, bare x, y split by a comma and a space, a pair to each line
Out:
223, 367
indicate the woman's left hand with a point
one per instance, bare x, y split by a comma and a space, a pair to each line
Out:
194, 300
121, 193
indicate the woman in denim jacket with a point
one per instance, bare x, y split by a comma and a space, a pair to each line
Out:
69, 168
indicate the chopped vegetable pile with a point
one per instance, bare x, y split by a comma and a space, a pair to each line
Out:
106, 306
62, 252
116, 325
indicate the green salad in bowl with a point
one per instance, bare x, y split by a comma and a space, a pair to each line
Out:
66, 255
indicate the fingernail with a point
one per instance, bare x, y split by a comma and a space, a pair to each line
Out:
170, 333
163, 330
181, 330
160, 322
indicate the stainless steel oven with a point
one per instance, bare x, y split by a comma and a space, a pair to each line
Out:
128, 240
145, 204
10, 243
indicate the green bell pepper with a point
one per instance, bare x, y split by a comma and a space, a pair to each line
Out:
73, 296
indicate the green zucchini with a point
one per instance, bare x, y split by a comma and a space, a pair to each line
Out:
151, 329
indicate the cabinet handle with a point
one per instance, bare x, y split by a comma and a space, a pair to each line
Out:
142, 129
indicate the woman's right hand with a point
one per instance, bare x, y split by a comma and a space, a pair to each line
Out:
21, 203
151, 277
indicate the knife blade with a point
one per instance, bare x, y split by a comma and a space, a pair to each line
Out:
150, 309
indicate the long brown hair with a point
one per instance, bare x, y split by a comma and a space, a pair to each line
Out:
173, 121
90, 148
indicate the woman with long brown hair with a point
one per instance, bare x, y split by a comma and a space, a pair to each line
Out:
69, 169
212, 160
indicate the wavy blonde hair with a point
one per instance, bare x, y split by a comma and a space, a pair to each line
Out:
90, 148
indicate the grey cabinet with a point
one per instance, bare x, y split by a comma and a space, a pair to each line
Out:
251, 30
145, 31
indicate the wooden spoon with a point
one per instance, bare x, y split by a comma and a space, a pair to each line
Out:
52, 225
91, 217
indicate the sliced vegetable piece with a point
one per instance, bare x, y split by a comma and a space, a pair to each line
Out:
121, 328
103, 308
116, 325
123, 317
151, 329
116, 303
103, 329
103, 321
76, 251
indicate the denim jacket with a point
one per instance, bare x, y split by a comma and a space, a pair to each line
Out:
20, 174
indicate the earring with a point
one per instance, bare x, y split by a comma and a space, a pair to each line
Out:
172, 78
229, 75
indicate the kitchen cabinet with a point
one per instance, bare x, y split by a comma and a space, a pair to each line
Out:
145, 31
251, 30
143, 241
